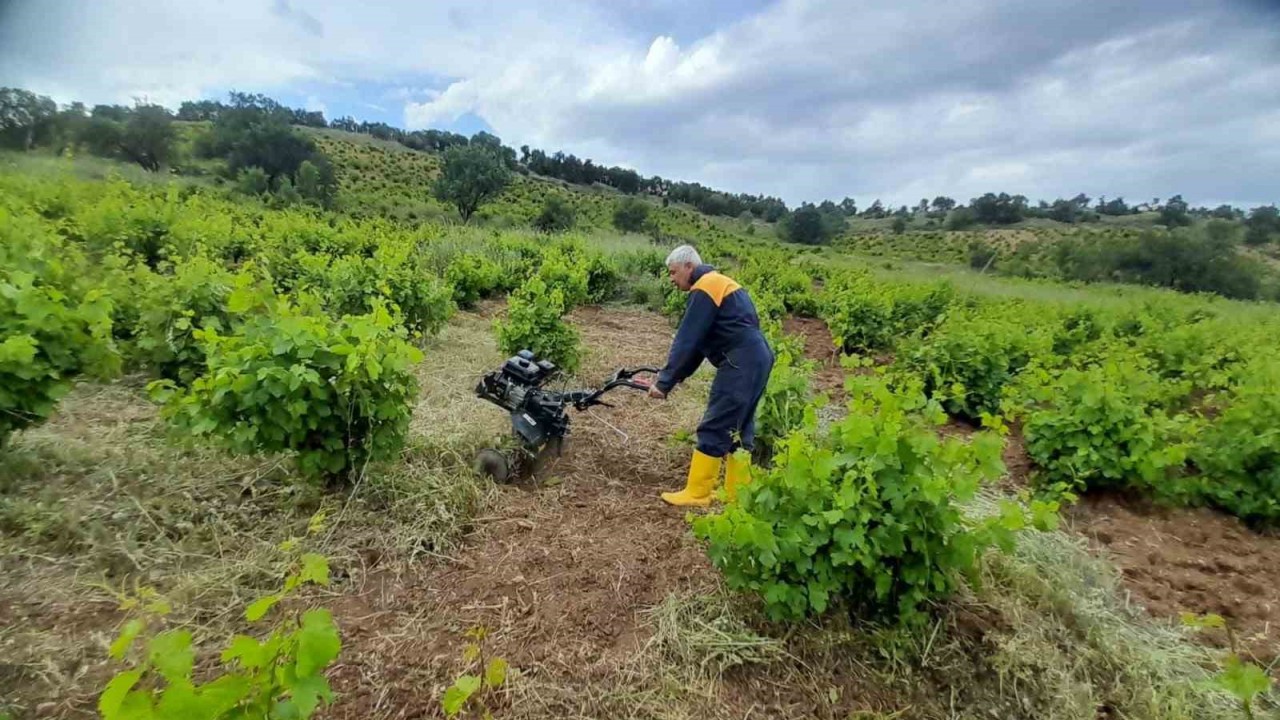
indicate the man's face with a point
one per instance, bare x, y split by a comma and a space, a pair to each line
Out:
681, 275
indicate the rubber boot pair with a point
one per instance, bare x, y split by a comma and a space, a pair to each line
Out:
704, 471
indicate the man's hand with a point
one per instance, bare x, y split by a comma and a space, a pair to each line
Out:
655, 393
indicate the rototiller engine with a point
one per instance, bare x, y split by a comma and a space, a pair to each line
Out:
539, 417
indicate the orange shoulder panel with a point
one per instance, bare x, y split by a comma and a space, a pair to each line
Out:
717, 286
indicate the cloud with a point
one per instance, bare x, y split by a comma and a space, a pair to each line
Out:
304, 20
804, 99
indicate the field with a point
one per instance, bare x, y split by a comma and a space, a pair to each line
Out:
1106, 456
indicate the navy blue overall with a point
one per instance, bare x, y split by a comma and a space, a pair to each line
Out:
721, 326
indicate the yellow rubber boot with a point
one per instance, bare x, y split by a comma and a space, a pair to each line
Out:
704, 470
737, 472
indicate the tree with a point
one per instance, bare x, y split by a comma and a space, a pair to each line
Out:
557, 215
875, 210
316, 182
961, 218
1174, 213
629, 214
1263, 225
849, 207
1002, 209
1064, 211
808, 225
472, 175
1113, 207
943, 205
26, 119
148, 136
899, 225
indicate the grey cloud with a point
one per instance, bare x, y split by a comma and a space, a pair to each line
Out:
304, 20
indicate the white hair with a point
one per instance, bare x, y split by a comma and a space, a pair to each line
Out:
683, 254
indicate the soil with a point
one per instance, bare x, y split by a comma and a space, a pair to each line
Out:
820, 348
1176, 560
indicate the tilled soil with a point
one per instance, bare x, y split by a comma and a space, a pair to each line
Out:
1176, 560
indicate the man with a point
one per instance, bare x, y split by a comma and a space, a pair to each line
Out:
720, 325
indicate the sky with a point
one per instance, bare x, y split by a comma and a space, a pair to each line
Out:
801, 99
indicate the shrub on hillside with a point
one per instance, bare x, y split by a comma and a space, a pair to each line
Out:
1100, 427
472, 277
51, 331
192, 299
556, 215
1238, 453
865, 516
534, 323
629, 214
337, 394
967, 362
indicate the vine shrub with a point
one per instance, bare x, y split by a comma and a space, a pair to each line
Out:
864, 516
279, 677
534, 323
966, 363
564, 273
1101, 427
472, 278
1238, 453
194, 298
50, 331
336, 393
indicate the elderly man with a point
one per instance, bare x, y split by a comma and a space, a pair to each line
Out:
720, 325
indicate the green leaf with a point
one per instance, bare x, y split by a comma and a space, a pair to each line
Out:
1243, 680
496, 673
308, 692
114, 693
125, 640
221, 695
315, 569
260, 607
318, 642
246, 650
172, 656
459, 693
180, 701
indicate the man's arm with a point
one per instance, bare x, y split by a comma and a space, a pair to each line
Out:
686, 349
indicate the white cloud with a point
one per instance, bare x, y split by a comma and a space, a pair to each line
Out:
806, 99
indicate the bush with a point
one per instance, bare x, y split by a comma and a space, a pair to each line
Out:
604, 279
859, 314
1100, 427
336, 393
1238, 454
534, 323
629, 214
563, 272
194, 299
785, 405
966, 364
52, 332
865, 516
472, 277
556, 215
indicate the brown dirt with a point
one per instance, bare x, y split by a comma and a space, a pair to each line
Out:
820, 348
1177, 560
